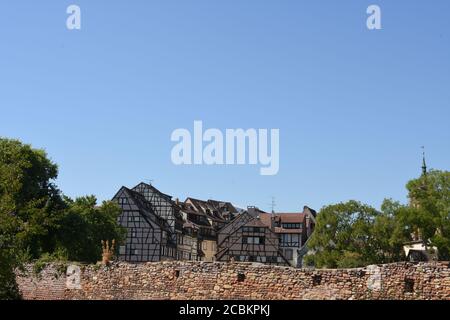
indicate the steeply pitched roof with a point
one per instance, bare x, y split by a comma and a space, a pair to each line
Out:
149, 186
312, 211
143, 187
256, 223
207, 208
145, 207
223, 206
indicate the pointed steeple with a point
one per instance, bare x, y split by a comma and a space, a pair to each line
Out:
424, 165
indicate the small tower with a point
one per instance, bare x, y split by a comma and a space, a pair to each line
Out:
424, 165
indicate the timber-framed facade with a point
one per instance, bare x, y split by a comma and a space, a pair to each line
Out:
160, 228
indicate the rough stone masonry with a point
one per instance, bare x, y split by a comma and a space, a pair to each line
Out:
206, 281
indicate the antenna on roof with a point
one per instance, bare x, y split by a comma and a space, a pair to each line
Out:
273, 205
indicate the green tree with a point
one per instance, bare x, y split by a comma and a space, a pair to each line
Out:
29, 206
389, 243
26, 174
28, 193
85, 225
9, 257
352, 234
343, 236
428, 216
35, 219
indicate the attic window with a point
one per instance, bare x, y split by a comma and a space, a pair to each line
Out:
123, 201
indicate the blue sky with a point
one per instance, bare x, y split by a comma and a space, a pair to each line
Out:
353, 106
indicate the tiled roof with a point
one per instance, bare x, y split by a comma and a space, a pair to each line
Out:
282, 217
266, 218
256, 223
215, 210
146, 209
290, 217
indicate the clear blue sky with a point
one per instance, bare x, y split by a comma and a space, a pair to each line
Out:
353, 106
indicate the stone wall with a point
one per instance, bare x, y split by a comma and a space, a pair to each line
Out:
201, 280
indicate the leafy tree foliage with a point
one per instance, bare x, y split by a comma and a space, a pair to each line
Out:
353, 234
343, 237
84, 225
28, 193
9, 258
29, 203
36, 220
428, 217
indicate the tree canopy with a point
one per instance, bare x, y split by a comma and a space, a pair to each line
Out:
353, 234
36, 219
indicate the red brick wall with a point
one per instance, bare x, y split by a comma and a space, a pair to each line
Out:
200, 280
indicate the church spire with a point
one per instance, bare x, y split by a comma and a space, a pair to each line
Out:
424, 165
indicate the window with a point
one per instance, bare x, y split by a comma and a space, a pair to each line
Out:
252, 229
123, 201
290, 240
136, 252
253, 240
292, 225
122, 250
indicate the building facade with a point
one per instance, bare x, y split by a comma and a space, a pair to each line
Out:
248, 239
148, 236
159, 228
293, 231
214, 216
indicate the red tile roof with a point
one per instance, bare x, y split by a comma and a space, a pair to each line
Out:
296, 217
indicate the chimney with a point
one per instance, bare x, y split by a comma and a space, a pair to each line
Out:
253, 211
